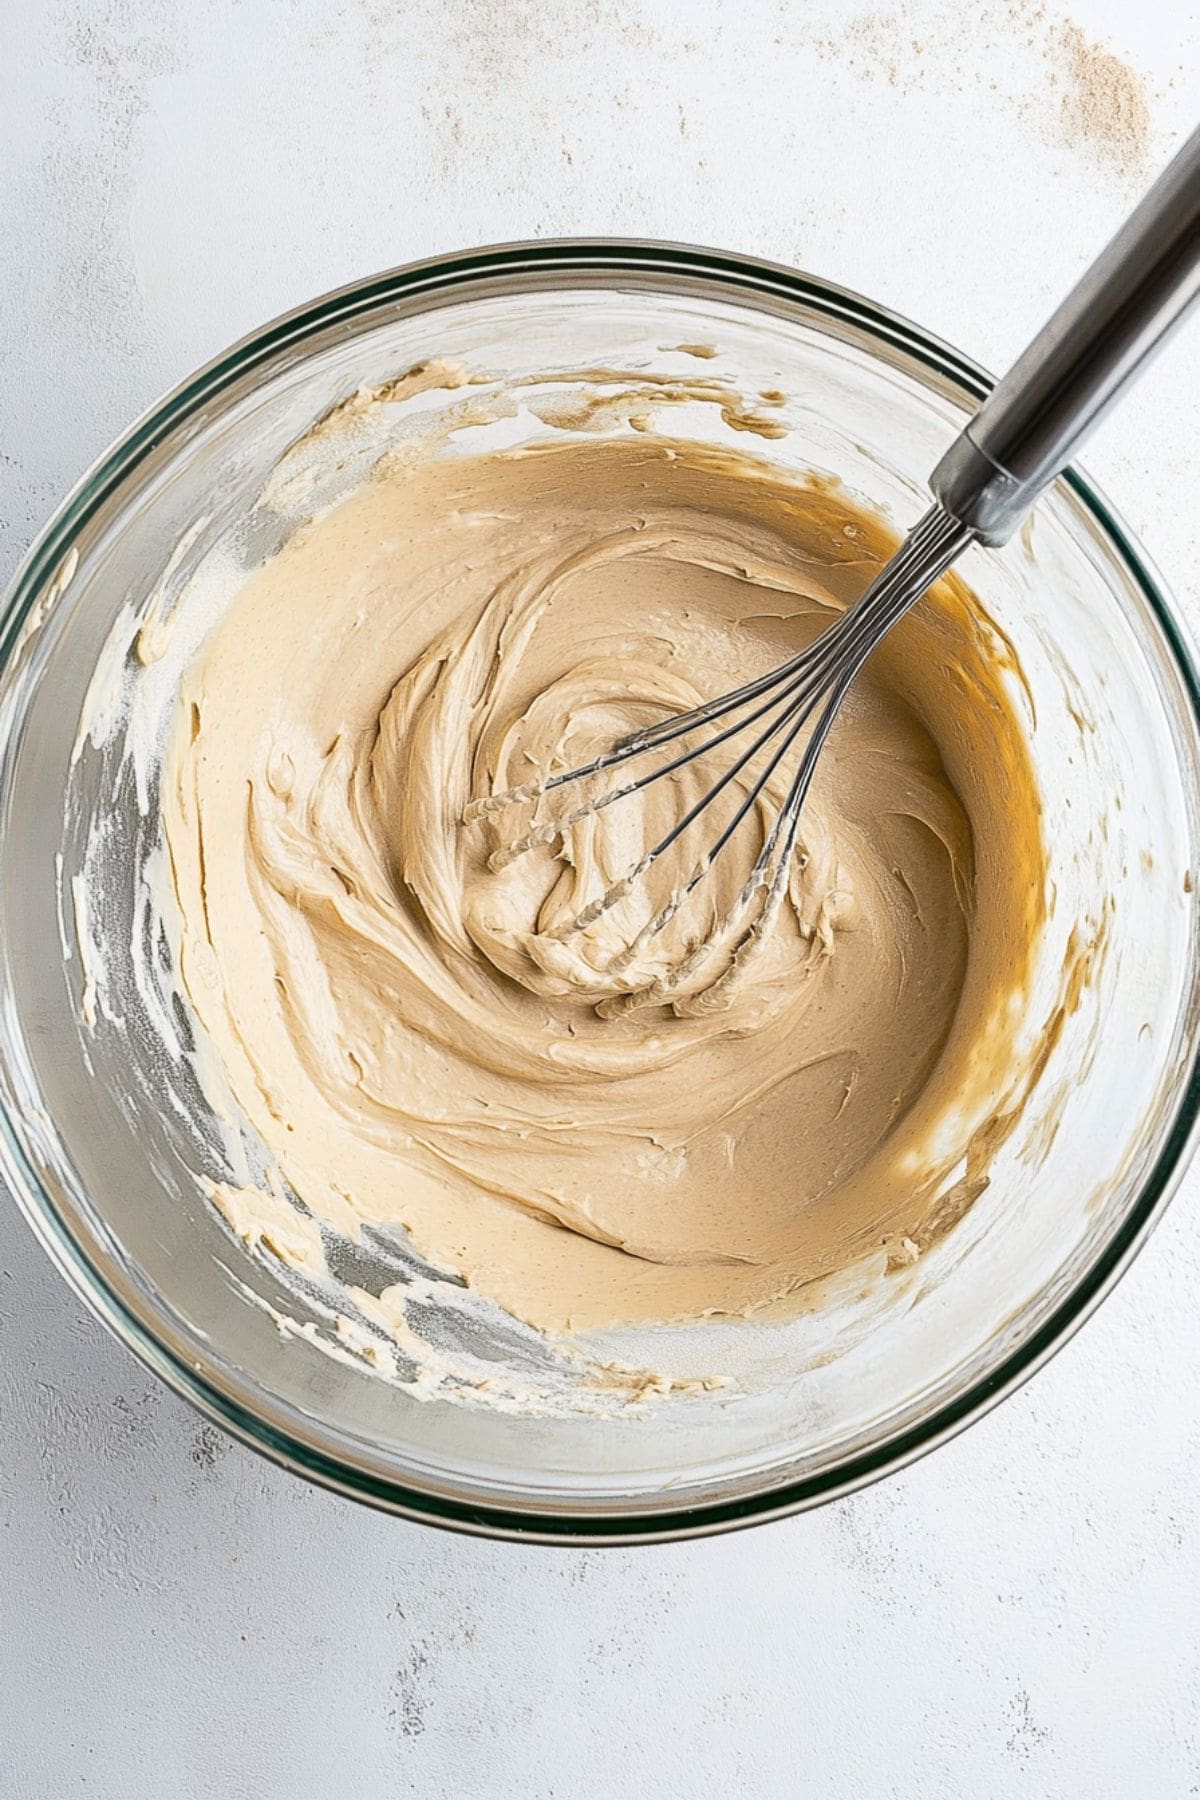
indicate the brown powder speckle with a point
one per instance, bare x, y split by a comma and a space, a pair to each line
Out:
1104, 103
876, 47
1062, 83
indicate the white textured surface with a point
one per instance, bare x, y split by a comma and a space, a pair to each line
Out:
1018, 1615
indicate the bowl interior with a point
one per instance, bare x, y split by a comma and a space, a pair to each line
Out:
106, 1129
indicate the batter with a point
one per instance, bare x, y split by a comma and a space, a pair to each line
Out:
585, 1136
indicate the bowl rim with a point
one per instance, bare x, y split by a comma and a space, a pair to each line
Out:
443, 278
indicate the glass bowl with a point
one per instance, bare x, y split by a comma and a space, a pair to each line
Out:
103, 1140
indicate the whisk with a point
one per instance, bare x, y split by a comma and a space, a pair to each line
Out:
1023, 435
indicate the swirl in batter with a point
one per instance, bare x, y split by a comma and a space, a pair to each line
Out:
583, 1135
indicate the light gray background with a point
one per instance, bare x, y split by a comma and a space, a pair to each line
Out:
1020, 1614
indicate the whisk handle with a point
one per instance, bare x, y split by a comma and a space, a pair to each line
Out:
1136, 292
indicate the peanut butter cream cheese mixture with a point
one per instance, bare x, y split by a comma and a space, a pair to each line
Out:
589, 1127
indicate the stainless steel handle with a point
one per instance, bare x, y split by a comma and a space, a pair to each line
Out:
1135, 293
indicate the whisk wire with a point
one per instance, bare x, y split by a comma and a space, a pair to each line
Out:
793, 691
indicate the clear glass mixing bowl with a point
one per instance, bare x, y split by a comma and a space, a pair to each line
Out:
105, 1168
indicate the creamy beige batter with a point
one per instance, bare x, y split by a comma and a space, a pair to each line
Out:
583, 1135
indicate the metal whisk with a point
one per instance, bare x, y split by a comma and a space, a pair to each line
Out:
1023, 435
